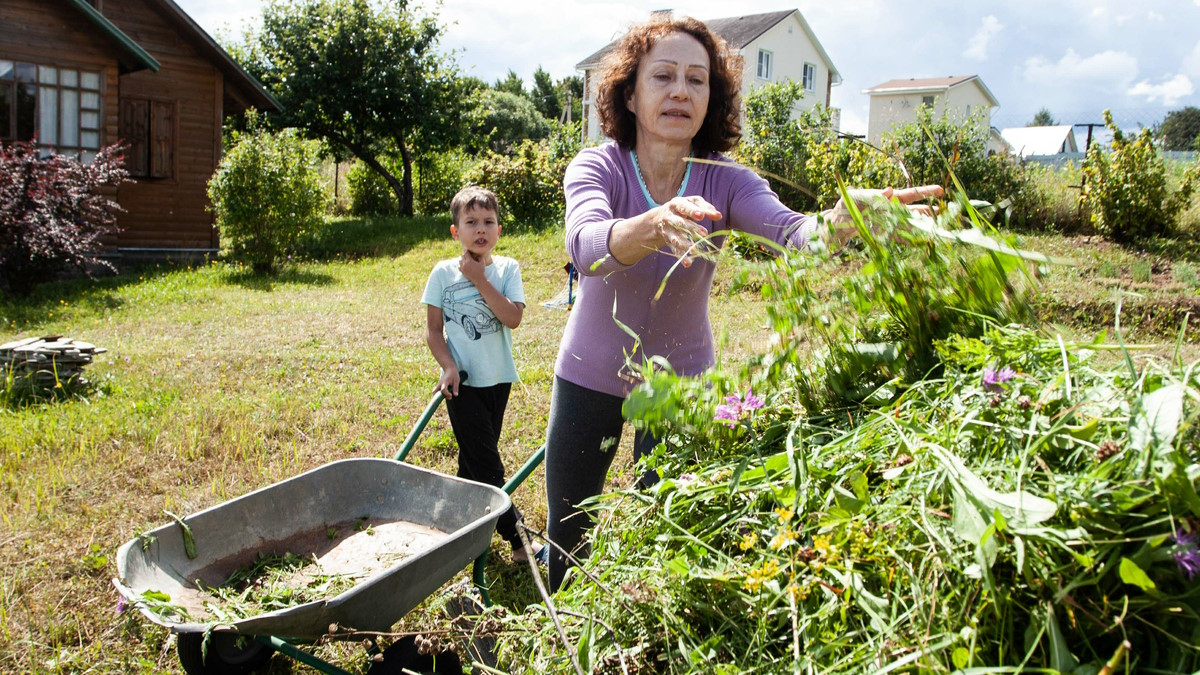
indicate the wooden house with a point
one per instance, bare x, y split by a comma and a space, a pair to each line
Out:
82, 74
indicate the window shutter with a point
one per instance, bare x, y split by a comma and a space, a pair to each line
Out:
135, 132
162, 139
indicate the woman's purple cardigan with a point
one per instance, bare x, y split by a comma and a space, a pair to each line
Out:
602, 188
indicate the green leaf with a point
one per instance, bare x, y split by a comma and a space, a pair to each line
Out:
1132, 574
1156, 420
189, 541
1061, 658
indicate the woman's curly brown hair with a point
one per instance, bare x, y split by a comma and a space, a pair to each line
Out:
721, 129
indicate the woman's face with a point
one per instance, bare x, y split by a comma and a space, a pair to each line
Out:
670, 96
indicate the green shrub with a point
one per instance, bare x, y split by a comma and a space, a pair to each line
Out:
775, 144
1050, 199
529, 183
1185, 274
1108, 269
501, 120
938, 151
804, 157
1126, 192
437, 177
1141, 271
266, 193
370, 195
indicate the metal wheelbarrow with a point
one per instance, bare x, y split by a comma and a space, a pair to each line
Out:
393, 532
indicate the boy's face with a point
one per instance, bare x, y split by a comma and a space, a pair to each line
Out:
478, 230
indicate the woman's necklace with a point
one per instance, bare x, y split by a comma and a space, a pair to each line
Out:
637, 168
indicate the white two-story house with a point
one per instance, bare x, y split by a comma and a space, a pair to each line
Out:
896, 102
775, 47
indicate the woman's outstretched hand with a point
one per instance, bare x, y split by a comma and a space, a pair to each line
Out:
677, 225
839, 216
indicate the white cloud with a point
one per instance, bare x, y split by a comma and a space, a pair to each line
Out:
989, 28
1108, 70
1154, 16
1191, 62
1170, 91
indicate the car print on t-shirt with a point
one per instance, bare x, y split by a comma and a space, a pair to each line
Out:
462, 304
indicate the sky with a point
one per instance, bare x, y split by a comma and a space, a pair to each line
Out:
1075, 58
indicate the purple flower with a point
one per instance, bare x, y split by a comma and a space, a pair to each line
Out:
121, 605
737, 408
992, 378
1187, 557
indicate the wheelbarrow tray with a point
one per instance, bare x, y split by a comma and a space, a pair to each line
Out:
400, 531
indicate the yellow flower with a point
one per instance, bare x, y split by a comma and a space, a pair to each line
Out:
798, 592
782, 539
748, 541
758, 576
784, 515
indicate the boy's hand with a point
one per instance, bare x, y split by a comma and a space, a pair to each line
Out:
448, 383
472, 268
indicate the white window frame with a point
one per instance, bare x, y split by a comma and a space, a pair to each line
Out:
68, 108
930, 101
766, 63
810, 76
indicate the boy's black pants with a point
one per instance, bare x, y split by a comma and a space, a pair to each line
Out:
477, 415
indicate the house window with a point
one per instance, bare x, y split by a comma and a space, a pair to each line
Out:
764, 64
927, 101
58, 106
810, 77
147, 128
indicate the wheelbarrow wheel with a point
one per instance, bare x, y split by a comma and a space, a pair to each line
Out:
226, 654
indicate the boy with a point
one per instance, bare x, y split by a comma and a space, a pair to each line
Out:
472, 304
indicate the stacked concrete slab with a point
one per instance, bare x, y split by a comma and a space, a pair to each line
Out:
47, 361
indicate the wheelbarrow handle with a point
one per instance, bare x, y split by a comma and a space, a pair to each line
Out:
413, 435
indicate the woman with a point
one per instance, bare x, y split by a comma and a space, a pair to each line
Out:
635, 206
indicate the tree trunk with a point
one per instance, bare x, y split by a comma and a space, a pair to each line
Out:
393, 182
406, 197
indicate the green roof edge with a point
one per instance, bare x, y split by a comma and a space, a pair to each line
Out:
115, 33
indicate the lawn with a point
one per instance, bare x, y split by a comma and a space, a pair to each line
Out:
217, 382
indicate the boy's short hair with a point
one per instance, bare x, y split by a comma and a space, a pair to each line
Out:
473, 196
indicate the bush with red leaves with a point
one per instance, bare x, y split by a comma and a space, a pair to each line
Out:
53, 213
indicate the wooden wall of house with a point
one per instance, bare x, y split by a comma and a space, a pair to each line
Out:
171, 212
158, 213
59, 35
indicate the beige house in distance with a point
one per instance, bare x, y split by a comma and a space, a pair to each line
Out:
895, 102
775, 47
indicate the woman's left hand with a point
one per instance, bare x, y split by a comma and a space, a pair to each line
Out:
839, 215
678, 224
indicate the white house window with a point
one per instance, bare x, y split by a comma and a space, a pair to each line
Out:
810, 77
60, 106
927, 101
764, 64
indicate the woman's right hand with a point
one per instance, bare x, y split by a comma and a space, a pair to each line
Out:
678, 225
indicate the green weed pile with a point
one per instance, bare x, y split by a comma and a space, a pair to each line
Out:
943, 489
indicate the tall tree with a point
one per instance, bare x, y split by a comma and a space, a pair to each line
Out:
1043, 118
544, 95
1180, 129
500, 120
512, 84
570, 92
362, 76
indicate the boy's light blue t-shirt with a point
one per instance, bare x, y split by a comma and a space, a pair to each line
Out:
478, 341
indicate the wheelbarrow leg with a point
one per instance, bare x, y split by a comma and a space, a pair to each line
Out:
478, 575
284, 647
